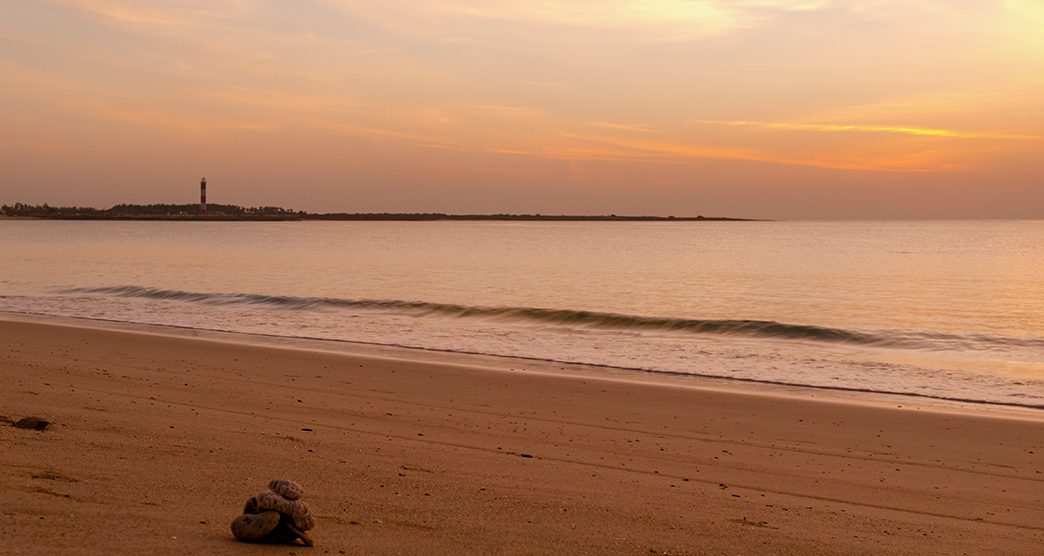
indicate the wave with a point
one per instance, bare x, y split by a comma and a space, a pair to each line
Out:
588, 319
687, 373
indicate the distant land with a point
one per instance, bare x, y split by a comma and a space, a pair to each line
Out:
219, 212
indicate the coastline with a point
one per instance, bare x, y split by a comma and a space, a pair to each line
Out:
159, 436
380, 218
291, 216
519, 363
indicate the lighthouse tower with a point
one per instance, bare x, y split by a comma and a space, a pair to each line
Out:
203, 196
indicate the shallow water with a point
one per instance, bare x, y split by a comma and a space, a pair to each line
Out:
949, 309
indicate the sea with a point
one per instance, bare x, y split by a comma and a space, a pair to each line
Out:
952, 310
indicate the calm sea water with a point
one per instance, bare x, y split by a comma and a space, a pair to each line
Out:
943, 309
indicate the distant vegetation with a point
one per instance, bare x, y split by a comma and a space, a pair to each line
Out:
45, 210
430, 216
154, 210
234, 212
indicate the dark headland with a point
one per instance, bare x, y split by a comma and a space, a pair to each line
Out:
219, 212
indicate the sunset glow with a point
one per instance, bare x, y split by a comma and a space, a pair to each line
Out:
760, 108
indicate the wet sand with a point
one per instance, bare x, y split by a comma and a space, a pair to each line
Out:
156, 442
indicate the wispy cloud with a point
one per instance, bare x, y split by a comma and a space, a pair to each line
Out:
913, 161
125, 12
669, 20
868, 128
637, 128
369, 132
151, 13
504, 110
174, 121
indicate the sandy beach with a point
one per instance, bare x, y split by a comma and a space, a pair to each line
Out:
157, 440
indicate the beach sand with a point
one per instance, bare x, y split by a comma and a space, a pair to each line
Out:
157, 440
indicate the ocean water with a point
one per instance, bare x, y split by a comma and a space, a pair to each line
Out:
943, 309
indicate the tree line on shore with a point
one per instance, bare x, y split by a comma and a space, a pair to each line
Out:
125, 209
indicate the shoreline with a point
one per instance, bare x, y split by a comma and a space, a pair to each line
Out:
383, 217
157, 439
553, 366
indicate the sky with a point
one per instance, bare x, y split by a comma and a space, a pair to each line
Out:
753, 108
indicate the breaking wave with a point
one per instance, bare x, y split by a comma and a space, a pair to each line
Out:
588, 319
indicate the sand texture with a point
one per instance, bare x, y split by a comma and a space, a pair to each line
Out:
155, 441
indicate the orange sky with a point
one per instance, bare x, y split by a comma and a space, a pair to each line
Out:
761, 108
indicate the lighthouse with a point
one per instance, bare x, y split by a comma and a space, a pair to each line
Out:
203, 196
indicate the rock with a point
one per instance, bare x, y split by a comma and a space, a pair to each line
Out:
251, 506
297, 510
289, 534
276, 515
255, 527
32, 423
287, 489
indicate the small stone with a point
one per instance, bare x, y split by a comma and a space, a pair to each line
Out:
287, 489
255, 527
292, 516
32, 423
297, 510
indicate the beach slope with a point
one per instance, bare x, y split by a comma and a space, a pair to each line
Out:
156, 441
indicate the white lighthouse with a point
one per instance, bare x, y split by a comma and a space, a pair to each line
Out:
203, 196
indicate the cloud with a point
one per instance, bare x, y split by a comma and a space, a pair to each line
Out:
637, 128
916, 161
369, 132
124, 12
590, 13
864, 128
434, 73
667, 20
504, 110
160, 14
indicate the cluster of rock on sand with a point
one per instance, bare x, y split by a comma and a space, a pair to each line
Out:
276, 515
